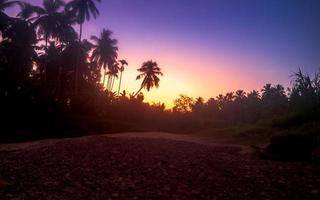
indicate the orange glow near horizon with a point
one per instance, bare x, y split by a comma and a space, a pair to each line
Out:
210, 48
186, 72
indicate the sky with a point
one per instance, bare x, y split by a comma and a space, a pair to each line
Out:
208, 47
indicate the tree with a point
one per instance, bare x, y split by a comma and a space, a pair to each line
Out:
49, 19
83, 9
274, 99
4, 18
149, 72
240, 97
47, 23
112, 75
4, 4
123, 63
305, 91
27, 11
253, 106
16, 50
183, 104
105, 51
64, 32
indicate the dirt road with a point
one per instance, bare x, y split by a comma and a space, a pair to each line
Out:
148, 166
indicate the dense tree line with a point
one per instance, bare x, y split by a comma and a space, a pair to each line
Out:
52, 79
297, 104
55, 83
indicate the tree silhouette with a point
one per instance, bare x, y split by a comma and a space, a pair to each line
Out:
27, 11
112, 75
105, 51
47, 22
123, 63
82, 10
183, 104
4, 18
149, 72
4, 4
49, 19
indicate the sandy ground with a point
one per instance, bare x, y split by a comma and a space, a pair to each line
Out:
147, 135
148, 166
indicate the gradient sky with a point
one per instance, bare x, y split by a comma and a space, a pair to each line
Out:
207, 47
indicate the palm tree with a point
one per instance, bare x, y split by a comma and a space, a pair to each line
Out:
240, 95
280, 90
4, 4
49, 19
104, 51
112, 75
83, 9
27, 11
123, 63
266, 90
64, 32
4, 18
149, 72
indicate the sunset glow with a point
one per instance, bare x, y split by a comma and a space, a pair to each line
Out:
210, 47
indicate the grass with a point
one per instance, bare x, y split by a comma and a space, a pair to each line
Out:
245, 135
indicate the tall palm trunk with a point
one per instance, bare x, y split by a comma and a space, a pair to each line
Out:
120, 82
138, 91
76, 83
80, 35
104, 79
113, 80
109, 82
46, 61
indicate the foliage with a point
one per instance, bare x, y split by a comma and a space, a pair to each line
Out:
43, 60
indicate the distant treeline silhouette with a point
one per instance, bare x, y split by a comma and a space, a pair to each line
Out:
54, 83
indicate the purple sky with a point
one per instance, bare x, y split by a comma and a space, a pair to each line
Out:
206, 47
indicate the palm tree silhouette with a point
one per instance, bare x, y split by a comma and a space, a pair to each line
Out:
149, 72
83, 9
112, 75
27, 11
240, 95
123, 63
47, 23
266, 90
4, 18
4, 4
104, 51
49, 18
64, 32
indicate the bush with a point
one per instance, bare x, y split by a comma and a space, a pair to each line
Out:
291, 147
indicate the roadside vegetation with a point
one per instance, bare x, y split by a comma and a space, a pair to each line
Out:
55, 83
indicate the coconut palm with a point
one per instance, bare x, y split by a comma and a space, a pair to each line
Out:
112, 75
4, 4
105, 51
17, 47
149, 73
240, 94
83, 9
121, 69
50, 24
49, 19
64, 32
266, 90
4, 18
27, 11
